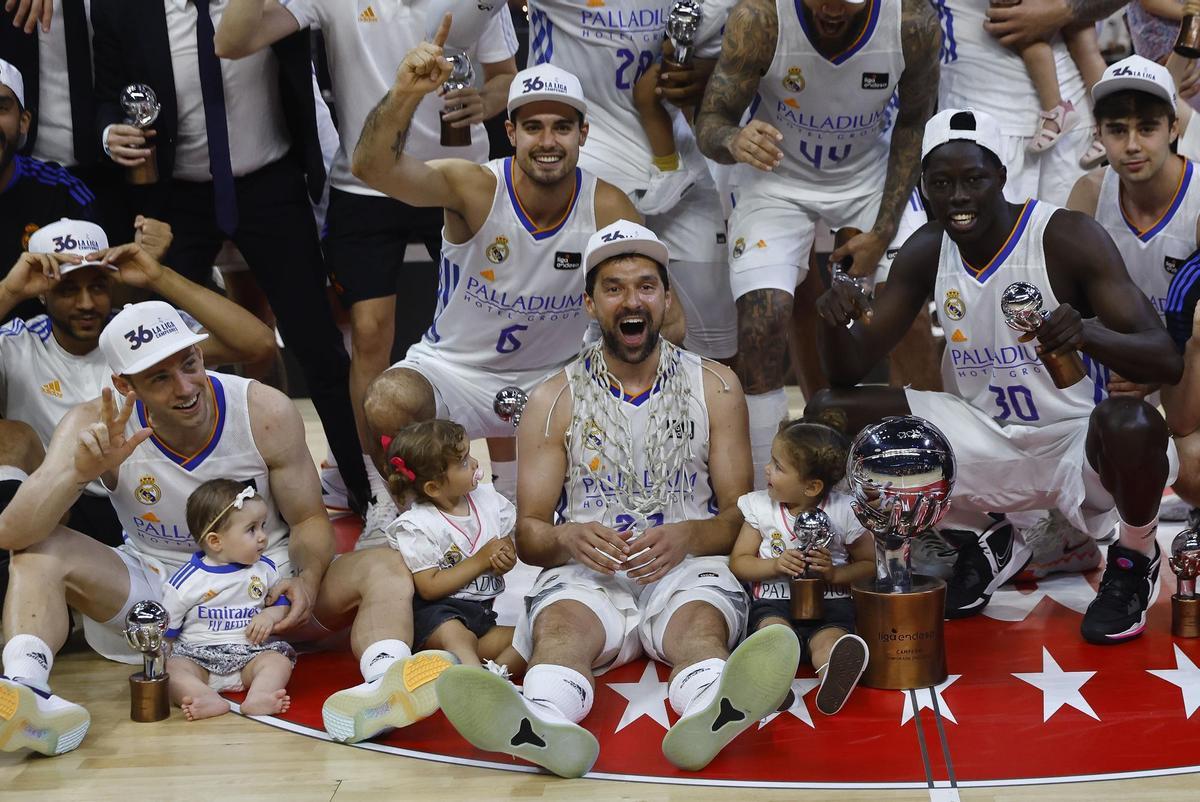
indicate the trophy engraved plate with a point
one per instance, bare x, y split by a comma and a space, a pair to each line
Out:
141, 108
683, 21
510, 404
814, 531
1021, 305
1185, 562
901, 472
144, 628
462, 76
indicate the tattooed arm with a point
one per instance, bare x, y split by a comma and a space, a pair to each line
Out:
918, 87
746, 52
379, 158
1036, 20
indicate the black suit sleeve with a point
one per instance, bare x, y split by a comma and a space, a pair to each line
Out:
110, 65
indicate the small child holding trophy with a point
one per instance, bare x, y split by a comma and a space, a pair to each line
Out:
220, 624
808, 458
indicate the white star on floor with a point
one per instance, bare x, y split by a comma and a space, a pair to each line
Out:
1070, 590
1059, 687
1184, 676
646, 697
925, 701
798, 708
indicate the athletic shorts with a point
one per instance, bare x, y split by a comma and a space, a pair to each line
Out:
465, 393
367, 238
478, 617
1048, 176
913, 217
771, 233
838, 612
635, 617
1010, 468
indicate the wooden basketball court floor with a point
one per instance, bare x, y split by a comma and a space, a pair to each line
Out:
232, 757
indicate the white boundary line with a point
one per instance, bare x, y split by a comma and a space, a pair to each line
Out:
648, 778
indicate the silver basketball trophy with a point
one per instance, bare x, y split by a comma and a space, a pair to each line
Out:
1021, 305
145, 626
510, 404
1185, 562
901, 472
462, 76
683, 21
141, 108
813, 530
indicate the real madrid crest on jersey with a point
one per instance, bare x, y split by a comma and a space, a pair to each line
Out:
497, 252
739, 247
794, 80
954, 306
258, 588
147, 491
777, 547
451, 558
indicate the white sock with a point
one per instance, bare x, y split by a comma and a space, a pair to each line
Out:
1138, 538
379, 488
28, 658
560, 690
379, 656
766, 412
694, 686
504, 479
10, 473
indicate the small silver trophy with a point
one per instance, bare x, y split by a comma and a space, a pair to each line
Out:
141, 108
462, 76
1185, 562
683, 21
813, 530
1021, 305
145, 626
510, 404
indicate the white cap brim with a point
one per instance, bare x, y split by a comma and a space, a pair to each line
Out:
152, 359
1111, 86
653, 250
70, 268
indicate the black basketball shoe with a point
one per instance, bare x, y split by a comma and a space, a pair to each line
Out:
1128, 588
986, 560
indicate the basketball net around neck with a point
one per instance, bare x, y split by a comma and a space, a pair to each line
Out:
598, 412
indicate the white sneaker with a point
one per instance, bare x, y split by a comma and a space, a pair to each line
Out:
500, 671
1058, 547
380, 513
402, 696
43, 722
333, 489
755, 679
489, 712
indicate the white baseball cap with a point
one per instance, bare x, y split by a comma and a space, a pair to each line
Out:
620, 238
545, 82
10, 76
953, 125
1139, 74
142, 335
74, 237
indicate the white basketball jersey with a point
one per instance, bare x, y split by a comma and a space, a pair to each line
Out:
990, 368
429, 538
213, 604
153, 485
691, 495
833, 112
980, 73
40, 382
608, 45
511, 297
775, 524
1152, 256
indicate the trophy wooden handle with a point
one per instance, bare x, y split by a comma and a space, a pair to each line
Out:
808, 596
148, 698
455, 137
146, 172
1187, 44
1185, 617
1066, 370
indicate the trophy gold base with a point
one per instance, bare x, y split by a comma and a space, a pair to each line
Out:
455, 137
808, 596
1187, 44
1066, 370
904, 634
1185, 617
148, 698
145, 173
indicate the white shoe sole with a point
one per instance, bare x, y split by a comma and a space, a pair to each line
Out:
847, 662
756, 678
489, 712
23, 725
405, 695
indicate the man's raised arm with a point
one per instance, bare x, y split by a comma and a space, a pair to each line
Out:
247, 26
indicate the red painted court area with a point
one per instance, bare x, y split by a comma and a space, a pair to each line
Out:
1027, 698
